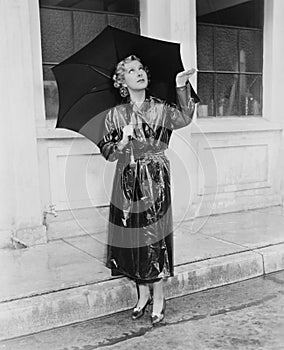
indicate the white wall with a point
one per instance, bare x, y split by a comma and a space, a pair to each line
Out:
20, 212
273, 84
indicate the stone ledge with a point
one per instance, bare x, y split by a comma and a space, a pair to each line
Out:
216, 125
230, 202
54, 309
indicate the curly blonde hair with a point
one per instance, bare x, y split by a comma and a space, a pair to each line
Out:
118, 76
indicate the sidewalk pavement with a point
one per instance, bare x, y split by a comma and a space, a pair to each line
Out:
65, 281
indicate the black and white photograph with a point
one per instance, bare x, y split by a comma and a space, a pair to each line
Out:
142, 175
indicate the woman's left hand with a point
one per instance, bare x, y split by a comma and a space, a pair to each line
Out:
182, 77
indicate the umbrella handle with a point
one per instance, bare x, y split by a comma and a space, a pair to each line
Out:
129, 150
132, 159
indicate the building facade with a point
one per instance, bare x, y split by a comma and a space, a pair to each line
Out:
54, 183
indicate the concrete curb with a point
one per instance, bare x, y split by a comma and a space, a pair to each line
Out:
54, 309
273, 258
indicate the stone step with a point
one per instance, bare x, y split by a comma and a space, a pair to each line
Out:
65, 281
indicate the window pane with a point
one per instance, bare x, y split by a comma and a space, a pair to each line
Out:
51, 99
205, 88
226, 49
131, 24
87, 25
250, 51
250, 94
227, 94
205, 47
47, 72
56, 35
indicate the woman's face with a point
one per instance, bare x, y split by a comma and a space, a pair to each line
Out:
135, 77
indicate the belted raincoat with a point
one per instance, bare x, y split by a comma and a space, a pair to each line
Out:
140, 232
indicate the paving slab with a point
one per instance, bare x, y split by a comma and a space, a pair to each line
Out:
93, 245
46, 268
277, 210
192, 247
242, 220
77, 222
250, 229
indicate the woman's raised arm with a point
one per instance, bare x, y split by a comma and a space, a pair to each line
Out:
182, 115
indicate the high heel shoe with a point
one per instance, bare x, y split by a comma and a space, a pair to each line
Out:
139, 312
157, 318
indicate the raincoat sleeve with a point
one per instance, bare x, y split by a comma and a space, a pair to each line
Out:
182, 114
109, 144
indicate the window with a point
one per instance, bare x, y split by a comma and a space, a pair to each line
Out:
68, 25
229, 57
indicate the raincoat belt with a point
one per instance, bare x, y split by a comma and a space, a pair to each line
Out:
148, 155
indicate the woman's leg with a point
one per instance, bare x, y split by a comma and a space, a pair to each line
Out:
144, 294
158, 296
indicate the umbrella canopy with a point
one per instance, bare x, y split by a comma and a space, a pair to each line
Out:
85, 83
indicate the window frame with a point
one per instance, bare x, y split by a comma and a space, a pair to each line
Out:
239, 72
54, 7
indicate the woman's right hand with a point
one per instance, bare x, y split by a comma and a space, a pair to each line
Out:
127, 132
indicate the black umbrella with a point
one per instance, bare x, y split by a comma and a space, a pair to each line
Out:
85, 83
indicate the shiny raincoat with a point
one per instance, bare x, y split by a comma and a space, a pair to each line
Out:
140, 233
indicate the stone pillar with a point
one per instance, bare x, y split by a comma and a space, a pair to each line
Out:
183, 29
273, 73
155, 18
175, 20
20, 207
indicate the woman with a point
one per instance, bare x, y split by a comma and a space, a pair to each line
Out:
140, 241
